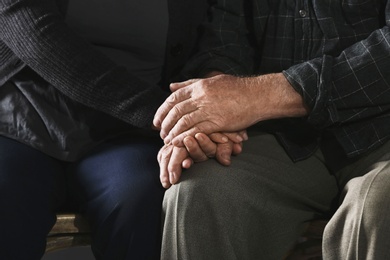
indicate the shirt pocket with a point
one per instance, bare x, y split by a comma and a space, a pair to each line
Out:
362, 13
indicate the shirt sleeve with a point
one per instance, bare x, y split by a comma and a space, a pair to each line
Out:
36, 33
352, 87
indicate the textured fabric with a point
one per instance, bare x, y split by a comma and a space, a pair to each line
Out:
131, 33
118, 189
33, 112
253, 209
116, 186
46, 97
360, 228
335, 53
31, 189
34, 34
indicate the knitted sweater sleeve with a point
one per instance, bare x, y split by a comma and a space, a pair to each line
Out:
36, 33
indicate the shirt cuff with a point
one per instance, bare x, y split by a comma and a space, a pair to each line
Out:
312, 80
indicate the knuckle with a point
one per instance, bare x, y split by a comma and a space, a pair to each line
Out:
171, 167
172, 99
225, 147
186, 120
210, 154
166, 153
177, 110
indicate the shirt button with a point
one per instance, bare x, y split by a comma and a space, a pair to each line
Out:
302, 13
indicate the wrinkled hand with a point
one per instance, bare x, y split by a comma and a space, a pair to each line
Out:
205, 106
172, 159
225, 103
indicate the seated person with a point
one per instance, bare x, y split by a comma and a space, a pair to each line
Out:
80, 83
310, 82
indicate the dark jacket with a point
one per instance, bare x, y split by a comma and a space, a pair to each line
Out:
37, 47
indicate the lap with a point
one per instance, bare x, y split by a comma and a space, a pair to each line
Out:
269, 195
32, 187
117, 171
116, 161
117, 187
264, 170
29, 177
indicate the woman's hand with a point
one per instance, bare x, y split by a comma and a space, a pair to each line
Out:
172, 159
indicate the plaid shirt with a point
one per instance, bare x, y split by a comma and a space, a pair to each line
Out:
335, 53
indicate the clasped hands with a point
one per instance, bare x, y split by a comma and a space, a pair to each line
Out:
207, 117
201, 119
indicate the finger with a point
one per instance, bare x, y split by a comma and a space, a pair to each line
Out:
217, 137
235, 137
187, 163
182, 110
237, 148
178, 85
164, 156
224, 152
186, 127
194, 150
159, 156
208, 147
244, 135
168, 104
179, 154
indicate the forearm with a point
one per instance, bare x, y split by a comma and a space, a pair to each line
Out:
38, 36
280, 98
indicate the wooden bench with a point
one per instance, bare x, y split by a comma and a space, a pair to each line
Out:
71, 229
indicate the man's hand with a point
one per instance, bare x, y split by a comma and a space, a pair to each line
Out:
172, 159
225, 103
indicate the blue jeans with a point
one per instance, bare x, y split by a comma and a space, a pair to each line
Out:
116, 186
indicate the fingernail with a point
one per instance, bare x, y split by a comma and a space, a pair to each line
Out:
225, 139
199, 137
187, 141
176, 142
239, 138
245, 135
167, 140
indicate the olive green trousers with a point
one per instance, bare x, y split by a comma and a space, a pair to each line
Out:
256, 208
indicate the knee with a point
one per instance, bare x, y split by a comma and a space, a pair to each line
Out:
361, 225
132, 196
203, 187
366, 196
373, 191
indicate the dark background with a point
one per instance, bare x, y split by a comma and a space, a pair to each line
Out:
76, 253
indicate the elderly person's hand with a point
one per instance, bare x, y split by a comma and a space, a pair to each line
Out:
172, 159
225, 103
